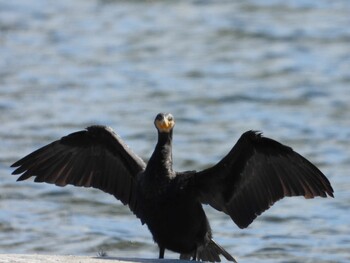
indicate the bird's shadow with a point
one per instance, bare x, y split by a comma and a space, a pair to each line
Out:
143, 260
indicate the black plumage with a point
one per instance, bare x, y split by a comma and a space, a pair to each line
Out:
256, 173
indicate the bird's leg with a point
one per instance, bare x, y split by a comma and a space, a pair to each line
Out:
161, 252
195, 255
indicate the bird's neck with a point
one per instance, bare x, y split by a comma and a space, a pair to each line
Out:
161, 161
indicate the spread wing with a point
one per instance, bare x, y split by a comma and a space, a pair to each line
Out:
95, 157
256, 173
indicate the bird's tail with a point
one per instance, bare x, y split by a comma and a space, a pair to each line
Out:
210, 252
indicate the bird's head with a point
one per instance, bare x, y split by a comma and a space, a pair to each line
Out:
164, 122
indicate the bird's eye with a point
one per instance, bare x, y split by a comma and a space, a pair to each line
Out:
170, 118
159, 116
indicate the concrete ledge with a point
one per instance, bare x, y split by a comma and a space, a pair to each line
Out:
24, 258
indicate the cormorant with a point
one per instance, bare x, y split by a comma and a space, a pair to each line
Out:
256, 173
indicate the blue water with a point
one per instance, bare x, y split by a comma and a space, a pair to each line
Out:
221, 68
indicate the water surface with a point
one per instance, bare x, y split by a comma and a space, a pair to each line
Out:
221, 68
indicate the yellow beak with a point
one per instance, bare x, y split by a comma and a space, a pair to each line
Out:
164, 124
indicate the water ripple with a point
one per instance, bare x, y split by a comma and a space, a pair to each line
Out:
221, 67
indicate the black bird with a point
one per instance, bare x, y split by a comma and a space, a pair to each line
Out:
256, 173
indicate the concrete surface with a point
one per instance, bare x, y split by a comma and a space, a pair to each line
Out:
24, 258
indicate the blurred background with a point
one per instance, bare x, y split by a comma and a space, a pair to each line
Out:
221, 67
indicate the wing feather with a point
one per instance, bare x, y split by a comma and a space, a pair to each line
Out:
256, 173
95, 157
